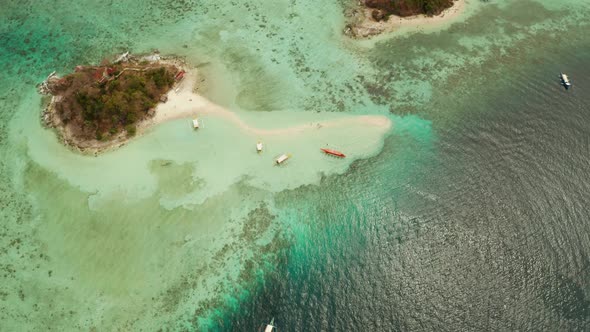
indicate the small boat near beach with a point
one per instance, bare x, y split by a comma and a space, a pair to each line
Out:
179, 76
195, 123
123, 57
333, 153
565, 80
282, 158
259, 146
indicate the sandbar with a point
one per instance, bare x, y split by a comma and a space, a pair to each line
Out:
185, 102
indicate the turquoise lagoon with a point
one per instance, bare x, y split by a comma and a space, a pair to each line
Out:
185, 230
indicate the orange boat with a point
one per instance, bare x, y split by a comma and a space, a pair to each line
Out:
179, 76
334, 153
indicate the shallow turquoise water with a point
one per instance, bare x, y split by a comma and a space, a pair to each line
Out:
469, 212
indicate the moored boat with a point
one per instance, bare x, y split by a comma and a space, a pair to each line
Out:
333, 152
259, 146
195, 123
179, 76
270, 327
565, 80
282, 158
123, 58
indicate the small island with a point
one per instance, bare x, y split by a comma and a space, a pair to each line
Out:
99, 107
372, 17
382, 9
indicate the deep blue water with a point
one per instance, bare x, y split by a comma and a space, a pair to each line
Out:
486, 229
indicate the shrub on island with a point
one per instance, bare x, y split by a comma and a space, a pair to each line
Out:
99, 102
384, 8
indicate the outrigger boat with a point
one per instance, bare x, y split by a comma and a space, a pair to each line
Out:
270, 327
282, 158
259, 146
179, 76
195, 123
333, 152
565, 80
123, 58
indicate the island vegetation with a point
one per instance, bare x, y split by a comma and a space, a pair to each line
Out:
382, 9
372, 17
95, 105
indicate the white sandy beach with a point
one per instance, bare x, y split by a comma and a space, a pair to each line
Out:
184, 102
366, 26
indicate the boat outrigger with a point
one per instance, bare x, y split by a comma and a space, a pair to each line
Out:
259, 146
270, 327
282, 158
333, 152
565, 80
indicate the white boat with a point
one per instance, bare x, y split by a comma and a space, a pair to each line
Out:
282, 158
152, 58
270, 327
565, 80
123, 58
259, 147
195, 123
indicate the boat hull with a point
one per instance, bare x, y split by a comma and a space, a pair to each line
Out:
333, 153
565, 81
281, 159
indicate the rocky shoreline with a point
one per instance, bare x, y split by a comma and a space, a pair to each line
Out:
94, 147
